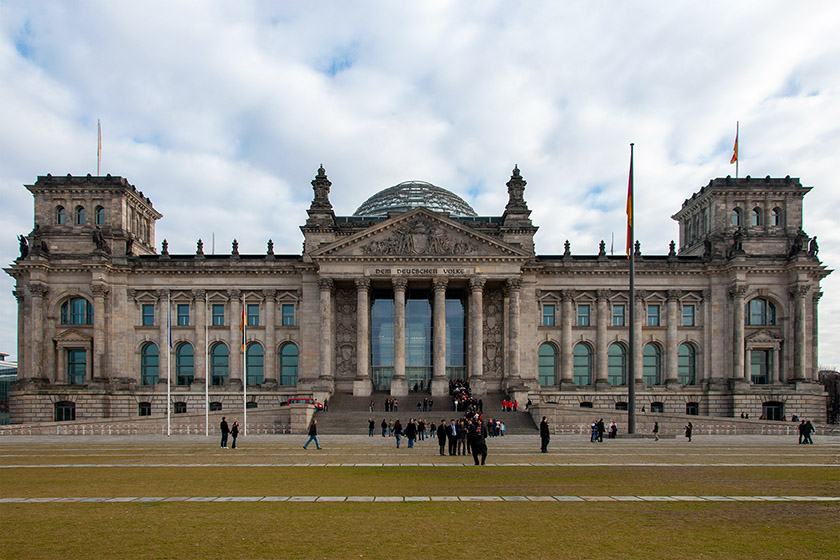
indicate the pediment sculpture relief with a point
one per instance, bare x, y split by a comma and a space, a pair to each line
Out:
419, 237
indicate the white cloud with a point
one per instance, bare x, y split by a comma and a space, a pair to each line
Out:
221, 112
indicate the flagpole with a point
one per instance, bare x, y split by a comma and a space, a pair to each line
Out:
244, 370
737, 134
168, 364
98, 146
206, 371
631, 355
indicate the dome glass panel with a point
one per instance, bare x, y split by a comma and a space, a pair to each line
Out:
414, 194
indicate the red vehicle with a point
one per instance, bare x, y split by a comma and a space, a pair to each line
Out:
305, 400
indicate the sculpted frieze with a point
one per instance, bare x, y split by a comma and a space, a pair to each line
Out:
419, 236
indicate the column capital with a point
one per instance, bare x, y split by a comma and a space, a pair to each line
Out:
567, 295
798, 291
38, 290
161, 294
198, 294
817, 295
477, 283
99, 289
269, 294
440, 283
18, 294
326, 284
235, 294
602, 295
399, 284
673, 295
514, 284
738, 291
362, 284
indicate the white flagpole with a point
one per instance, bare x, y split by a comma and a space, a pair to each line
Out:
206, 370
98, 146
168, 364
244, 369
738, 147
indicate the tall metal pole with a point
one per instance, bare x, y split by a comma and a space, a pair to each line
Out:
206, 371
244, 369
631, 354
168, 364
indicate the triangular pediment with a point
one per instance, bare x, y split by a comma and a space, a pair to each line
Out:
72, 335
416, 234
763, 337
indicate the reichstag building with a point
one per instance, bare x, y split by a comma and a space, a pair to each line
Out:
410, 291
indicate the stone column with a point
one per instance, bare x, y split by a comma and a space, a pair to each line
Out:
326, 285
23, 356
705, 373
100, 291
814, 371
601, 353
200, 348
774, 379
35, 334
514, 286
740, 369
638, 356
799, 342
399, 384
440, 385
748, 364
270, 349
163, 319
477, 383
236, 377
362, 386
566, 357
672, 341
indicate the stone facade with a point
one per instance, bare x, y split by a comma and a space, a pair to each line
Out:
724, 325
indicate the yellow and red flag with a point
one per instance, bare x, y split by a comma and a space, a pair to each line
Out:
630, 207
734, 151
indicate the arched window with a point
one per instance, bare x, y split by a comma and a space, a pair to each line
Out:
686, 364
99, 216
288, 365
254, 363
776, 217
760, 312
60, 215
617, 365
548, 364
582, 368
756, 216
218, 364
65, 411
80, 215
77, 311
652, 364
736, 217
149, 364
184, 363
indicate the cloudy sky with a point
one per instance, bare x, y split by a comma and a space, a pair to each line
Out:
221, 112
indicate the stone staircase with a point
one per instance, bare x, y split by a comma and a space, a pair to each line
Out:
347, 414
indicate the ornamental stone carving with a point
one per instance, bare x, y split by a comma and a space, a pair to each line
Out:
493, 333
345, 333
419, 236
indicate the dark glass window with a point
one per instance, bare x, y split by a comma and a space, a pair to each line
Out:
288, 365
657, 407
254, 363
686, 364
251, 404
418, 338
60, 216
180, 408
776, 217
288, 311
586, 404
65, 411
99, 216
80, 215
76, 366
621, 405
253, 314
183, 311
760, 312
456, 336
760, 366
218, 314
618, 315
736, 217
184, 363
688, 316
692, 408
144, 409
219, 364
548, 316
756, 217
582, 364
148, 314
773, 410
653, 316
548, 365
149, 360
215, 406
652, 364
77, 311
381, 341
583, 315
617, 365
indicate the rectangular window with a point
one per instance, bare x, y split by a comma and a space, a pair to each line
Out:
548, 316
76, 367
618, 316
145, 408
688, 316
253, 311
583, 315
183, 315
288, 315
653, 316
218, 315
148, 312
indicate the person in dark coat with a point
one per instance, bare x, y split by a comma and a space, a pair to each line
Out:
477, 443
441, 435
371, 427
411, 433
313, 435
545, 435
384, 427
601, 429
398, 432
223, 427
452, 437
688, 429
809, 429
234, 432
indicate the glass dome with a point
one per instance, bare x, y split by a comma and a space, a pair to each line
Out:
414, 194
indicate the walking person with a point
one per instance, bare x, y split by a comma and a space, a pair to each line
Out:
809, 429
411, 433
371, 427
688, 429
601, 429
545, 435
656, 431
477, 443
384, 427
441, 435
398, 432
313, 435
223, 427
234, 432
